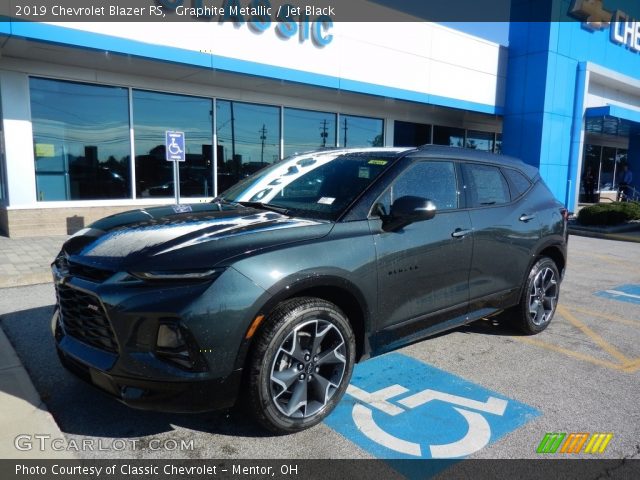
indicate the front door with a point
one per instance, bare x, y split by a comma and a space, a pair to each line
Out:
423, 268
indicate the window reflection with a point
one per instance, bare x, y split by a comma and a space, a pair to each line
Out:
478, 140
409, 134
153, 114
2, 175
248, 139
498, 146
361, 131
451, 136
307, 130
81, 140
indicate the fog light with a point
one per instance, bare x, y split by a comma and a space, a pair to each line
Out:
175, 344
169, 336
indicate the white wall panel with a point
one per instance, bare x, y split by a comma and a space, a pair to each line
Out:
18, 134
412, 56
600, 95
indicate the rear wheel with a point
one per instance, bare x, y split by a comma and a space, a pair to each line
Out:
539, 298
301, 364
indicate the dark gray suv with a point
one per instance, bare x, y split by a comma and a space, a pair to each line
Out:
273, 291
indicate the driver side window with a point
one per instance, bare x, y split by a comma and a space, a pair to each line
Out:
435, 181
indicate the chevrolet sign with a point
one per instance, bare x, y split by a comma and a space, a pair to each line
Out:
623, 29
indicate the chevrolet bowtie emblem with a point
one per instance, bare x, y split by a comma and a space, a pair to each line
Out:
592, 13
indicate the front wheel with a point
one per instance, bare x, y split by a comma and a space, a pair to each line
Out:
301, 364
539, 298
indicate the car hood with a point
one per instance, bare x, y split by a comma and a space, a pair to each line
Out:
183, 237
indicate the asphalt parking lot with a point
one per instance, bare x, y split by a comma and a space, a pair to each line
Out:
482, 391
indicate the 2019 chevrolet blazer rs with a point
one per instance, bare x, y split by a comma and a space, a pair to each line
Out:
272, 291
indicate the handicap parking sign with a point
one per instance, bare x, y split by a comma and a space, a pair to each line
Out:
400, 408
174, 145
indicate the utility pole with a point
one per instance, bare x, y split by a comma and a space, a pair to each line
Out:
345, 132
263, 137
324, 133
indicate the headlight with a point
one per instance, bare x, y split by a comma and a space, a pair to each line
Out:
193, 275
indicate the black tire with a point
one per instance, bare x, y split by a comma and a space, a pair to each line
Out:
292, 385
539, 297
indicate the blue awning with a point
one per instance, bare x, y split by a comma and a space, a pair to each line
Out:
615, 111
612, 120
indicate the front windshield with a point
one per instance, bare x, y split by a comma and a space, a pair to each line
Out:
319, 184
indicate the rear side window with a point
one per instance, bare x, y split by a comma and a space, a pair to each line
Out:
485, 185
517, 181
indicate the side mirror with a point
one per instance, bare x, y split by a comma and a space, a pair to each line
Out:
409, 209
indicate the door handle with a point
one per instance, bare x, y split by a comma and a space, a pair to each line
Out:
460, 233
526, 218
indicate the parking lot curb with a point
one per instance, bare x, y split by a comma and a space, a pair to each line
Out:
607, 236
22, 411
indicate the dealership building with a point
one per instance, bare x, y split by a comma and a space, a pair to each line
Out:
85, 106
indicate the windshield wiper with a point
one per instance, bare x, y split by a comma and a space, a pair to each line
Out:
265, 206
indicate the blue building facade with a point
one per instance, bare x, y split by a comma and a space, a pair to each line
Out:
573, 89
564, 96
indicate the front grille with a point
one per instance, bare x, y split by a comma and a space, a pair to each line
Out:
84, 318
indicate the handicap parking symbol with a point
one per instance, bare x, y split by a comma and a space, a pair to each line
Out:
623, 293
400, 408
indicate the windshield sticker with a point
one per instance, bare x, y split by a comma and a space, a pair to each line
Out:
327, 200
363, 172
378, 162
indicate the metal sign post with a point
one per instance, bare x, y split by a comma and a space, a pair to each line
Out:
175, 152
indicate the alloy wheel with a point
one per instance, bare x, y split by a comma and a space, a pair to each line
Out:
543, 296
308, 369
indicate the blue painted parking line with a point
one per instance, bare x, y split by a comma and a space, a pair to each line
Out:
624, 293
400, 408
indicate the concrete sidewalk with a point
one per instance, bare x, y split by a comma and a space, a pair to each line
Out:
26, 261
22, 411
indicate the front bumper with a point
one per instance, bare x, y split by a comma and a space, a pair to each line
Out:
184, 396
106, 333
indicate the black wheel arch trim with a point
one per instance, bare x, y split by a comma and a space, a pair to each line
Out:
560, 247
294, 286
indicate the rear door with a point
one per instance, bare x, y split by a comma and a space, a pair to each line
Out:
506, 229
423, 268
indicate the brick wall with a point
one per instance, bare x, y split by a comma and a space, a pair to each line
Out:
39, 222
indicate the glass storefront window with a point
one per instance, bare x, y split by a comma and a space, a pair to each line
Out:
409, 134
608, 169
498, 145
590, 173
81, 140
361, 131
454, 137
621, 160
248, 140
307, 130
480, 140
604, 164
3, 195
153, 114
